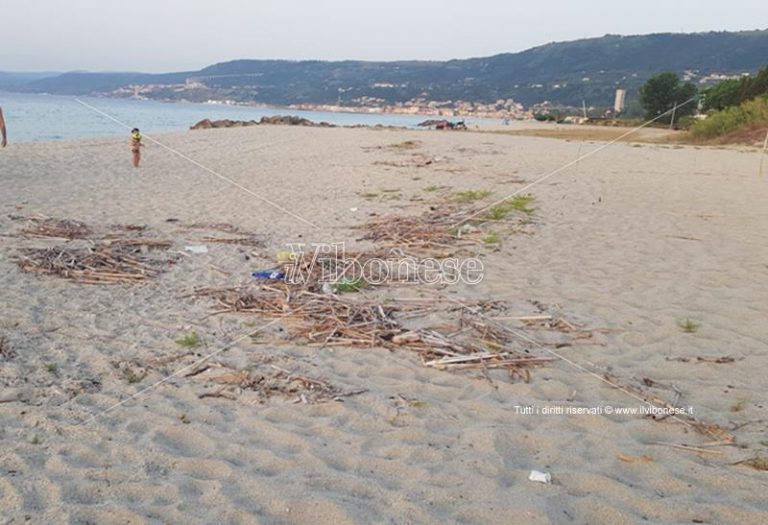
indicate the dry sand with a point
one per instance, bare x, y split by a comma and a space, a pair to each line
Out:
633, 240
551, 130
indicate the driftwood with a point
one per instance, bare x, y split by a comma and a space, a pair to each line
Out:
711, 430
445, 228
436, 230
269, 382
56, 229
348, 320
108, 262
243, 241
108, 257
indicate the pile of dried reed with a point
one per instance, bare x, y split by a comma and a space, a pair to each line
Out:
108, 262
330, 320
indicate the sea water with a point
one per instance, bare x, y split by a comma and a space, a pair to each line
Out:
34, 118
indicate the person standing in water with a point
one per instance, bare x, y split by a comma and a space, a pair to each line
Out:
136, 146
4, 142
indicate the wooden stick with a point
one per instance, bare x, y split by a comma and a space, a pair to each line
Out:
524, 318
689, 448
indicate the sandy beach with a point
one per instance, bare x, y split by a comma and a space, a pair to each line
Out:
658, 253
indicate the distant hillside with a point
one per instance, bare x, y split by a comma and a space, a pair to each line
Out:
565, 73
83, 83
10, 80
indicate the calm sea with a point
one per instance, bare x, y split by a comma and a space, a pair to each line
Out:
32, 118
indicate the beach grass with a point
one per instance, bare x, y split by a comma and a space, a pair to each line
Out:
688, 326
190, 340
350, 286
492, 238
518, 203
406, 144
468, 196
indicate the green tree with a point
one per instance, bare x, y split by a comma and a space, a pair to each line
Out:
755, 86
732, 92
722, 95
665, 91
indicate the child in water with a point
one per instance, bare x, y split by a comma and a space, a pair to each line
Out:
136, 146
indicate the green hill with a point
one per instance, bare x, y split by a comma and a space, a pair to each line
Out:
565, 73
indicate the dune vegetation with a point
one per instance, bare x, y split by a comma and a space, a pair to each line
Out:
734, 124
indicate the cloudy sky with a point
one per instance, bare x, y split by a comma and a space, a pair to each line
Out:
174, 35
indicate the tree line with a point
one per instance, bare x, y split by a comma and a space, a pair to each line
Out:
667, 99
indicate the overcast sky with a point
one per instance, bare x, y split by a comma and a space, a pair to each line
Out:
175, 35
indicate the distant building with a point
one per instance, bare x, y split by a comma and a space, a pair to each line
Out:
620, 101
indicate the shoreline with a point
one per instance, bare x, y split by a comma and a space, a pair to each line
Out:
176, 110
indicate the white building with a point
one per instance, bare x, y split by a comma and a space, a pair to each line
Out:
619, 102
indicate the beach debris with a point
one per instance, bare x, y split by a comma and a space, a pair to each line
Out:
56, 228
267, 382
197, 249
322, 304
6, 352
272, 275
129, 227
91, 256
710, 430
757, 462
217, 226
131, 372
705, 359
349, 285
235, 235
689, 448
124, 261
243, 241
540, 477
626, 458
434, 230
448, 226
284, 257
461, 341
416, 160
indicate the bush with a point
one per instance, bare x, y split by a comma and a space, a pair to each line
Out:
723, 95
733, 92
750, 113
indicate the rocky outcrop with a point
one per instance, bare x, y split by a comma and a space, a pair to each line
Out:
430, 123
226, 123
277, 120
442, 124
281, 120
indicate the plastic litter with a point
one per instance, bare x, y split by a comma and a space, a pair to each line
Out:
273, 275
540, 477
197, 249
